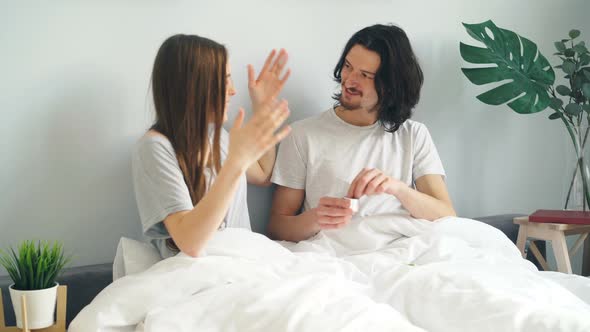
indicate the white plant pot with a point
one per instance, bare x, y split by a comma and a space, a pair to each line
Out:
40, 306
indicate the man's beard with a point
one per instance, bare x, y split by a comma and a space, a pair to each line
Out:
349, 105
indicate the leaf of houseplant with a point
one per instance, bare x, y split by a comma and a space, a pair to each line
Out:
555, 103
586, 90
559, 46
580, 49
569, 67
554, 116
573, 109
574, 33
563, 90
528, 70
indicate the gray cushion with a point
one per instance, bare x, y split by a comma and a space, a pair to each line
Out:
503, 222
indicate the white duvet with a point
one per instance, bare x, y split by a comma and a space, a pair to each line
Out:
382, 273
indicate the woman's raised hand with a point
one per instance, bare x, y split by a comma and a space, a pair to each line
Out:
249, 141
270, 81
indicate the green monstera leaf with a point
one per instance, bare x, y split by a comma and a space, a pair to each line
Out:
515, 60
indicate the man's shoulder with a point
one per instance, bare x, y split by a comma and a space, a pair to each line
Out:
411, 127
310, 124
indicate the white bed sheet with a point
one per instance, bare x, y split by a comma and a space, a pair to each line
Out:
381, 273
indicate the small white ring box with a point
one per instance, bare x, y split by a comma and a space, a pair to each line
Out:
354, 204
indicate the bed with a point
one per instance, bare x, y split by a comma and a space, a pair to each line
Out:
381, 273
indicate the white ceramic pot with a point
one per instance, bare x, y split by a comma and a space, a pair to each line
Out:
40, 306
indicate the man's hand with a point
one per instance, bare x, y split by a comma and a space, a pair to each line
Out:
332, 212
371, 181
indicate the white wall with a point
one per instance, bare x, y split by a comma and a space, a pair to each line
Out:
74, 98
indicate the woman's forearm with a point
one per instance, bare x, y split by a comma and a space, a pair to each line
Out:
191, 230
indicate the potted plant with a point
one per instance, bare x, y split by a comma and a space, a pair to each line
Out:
531, 88
33, 269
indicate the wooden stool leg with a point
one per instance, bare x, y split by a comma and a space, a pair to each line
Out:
562, 256
521, 240
538, 255
586, 258
2, 322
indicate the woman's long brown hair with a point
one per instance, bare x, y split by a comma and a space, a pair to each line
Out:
189, 89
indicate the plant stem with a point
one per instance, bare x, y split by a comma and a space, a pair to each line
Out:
569, 192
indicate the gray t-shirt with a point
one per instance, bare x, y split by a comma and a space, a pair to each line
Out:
323, 154
160, 189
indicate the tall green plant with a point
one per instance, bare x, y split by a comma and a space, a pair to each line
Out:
527, 82
34, 267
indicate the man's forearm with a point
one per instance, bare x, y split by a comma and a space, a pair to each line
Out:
423, 206
292, 228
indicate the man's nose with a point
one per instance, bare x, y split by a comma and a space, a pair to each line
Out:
353, 78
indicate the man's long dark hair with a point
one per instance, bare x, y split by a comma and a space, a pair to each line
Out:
399, 78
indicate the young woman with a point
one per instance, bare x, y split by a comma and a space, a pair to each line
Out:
189, 174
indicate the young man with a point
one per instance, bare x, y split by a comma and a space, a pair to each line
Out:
365, 147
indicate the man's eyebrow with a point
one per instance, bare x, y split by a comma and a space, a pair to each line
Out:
364, 71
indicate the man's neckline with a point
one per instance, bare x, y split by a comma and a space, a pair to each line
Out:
339, 119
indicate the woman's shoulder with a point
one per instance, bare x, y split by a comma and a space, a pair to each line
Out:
153, 146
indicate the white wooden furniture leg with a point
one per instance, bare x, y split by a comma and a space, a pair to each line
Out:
24, 315
521, 240
561, 253
538, 255
579, 243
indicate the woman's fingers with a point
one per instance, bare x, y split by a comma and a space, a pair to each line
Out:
251, 78
274, 140
285, 77
272, 119
239, 119
280, 62
267, 63
280, 135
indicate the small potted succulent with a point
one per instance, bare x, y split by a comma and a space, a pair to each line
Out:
33, 269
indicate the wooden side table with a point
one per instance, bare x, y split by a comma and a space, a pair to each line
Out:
555, 233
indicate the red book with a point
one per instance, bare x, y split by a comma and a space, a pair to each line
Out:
561, 217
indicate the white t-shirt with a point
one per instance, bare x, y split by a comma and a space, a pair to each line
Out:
323, 154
